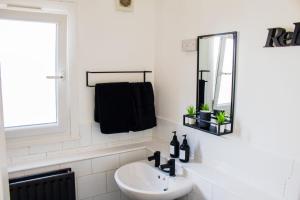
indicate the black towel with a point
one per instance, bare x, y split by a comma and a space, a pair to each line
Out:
143, 109
113, 107
201, 92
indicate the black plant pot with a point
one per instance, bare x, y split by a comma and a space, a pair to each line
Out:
204, 115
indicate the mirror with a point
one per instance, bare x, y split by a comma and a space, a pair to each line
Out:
216, 69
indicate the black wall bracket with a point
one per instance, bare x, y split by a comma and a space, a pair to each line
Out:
114, 72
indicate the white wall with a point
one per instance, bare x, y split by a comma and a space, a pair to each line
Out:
104, 39
4, 190
264, 149
113, 40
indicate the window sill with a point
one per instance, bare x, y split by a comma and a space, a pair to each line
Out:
76, 156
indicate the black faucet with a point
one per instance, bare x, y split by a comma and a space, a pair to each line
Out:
171, 166
156, 157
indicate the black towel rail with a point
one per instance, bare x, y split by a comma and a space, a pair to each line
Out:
114, 72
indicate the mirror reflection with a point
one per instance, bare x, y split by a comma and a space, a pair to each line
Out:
215, 71
216, 66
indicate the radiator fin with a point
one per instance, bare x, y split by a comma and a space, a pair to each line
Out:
54, 185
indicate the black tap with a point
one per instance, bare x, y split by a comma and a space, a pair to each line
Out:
170, 165
156, 157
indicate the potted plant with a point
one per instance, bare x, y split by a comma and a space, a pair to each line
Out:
204, 114
221, 118
191, 112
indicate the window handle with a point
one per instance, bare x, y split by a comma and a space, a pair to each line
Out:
55, 77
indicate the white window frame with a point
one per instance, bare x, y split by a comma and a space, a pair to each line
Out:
63, 112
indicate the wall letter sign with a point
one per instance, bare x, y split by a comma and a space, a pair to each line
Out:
279, 37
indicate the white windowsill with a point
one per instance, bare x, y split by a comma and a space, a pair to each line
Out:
76, 156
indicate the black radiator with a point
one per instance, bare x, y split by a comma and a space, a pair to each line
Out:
54, 185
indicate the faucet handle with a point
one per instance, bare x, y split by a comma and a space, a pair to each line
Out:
157, 153
170, 165
171, 162
156, 157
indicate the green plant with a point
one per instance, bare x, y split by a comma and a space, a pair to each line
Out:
205, 107
221, 117
191, 110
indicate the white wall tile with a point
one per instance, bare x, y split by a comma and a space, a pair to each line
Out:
293, 183
221, 194
120, 143
81, 168
99, 138
9, 161
142, 139
111, 183
18, 152
105, 163
42, 170
85, 131
125, 136
71, 144
194, 195
16, 174
132, 156
141, 134
183, 198
45, 148
91, 185
76, 188
108, 196
148, 153
201, 189
29, 158
124, 197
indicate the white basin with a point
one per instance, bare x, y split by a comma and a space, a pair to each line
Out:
140, 181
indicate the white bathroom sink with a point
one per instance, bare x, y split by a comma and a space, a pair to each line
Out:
140, 181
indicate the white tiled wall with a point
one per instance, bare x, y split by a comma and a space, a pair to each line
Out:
95, 177
205, 189
90, 137
105, 163
92, 185
277, 177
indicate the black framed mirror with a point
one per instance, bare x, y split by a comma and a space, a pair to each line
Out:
216, 74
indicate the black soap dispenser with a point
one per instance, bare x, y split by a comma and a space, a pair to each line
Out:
184, 151
174, 146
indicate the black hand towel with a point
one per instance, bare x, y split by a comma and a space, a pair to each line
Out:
113, 107
143, 107
201, 92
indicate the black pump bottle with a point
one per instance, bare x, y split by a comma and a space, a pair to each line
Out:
184, 151
174, 146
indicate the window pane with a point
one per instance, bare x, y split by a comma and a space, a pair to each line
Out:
226, 77
27, 56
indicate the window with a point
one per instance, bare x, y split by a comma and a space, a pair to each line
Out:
33, 61
223, 58
226, 73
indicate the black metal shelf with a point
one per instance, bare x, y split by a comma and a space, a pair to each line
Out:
212, 129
